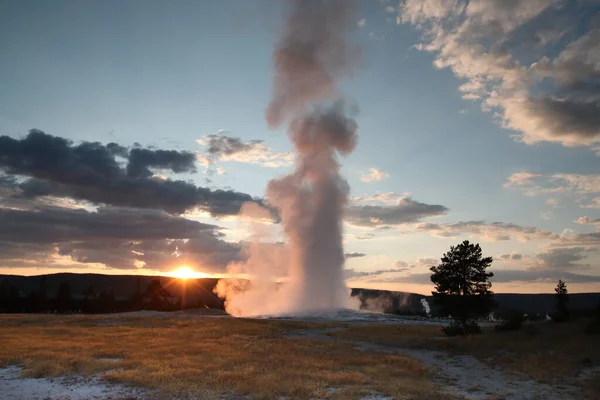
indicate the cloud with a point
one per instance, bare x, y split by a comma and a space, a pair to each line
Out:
518, 62
595, 203
586, 220
427, 261
489, 231
520, 179
549, 276
563, 258
509, 276
537, 184
511, 257
90, 171
352, 274
116, 238
355, 255
141, 160
221, 147
374, 175
383, 198
55, 225
405, 211
361, 23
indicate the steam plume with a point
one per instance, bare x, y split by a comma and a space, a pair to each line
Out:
310, 58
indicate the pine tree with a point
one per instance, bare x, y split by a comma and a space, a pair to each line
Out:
462, 286
562, 300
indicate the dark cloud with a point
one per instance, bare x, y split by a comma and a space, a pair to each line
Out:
89, 171
141, 160
355, 255
405, 211
116, 238
220, 145
54, 225
567, 258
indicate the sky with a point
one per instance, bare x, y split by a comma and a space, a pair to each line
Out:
131, 134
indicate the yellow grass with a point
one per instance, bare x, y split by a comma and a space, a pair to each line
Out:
208, 357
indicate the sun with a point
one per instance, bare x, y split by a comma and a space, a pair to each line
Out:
186, 272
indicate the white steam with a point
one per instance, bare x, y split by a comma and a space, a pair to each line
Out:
310, 58
426, 307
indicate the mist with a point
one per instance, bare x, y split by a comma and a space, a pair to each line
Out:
305, 273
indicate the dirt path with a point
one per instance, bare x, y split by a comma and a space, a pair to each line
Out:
467, 377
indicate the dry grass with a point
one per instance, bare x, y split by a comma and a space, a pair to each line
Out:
546, 351
208, 357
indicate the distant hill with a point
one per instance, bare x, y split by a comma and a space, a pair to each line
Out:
199, 292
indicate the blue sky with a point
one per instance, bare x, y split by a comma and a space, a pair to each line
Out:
167, 74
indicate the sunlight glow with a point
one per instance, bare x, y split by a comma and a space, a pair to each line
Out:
186, 272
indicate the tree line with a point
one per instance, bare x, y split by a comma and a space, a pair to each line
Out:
91, 301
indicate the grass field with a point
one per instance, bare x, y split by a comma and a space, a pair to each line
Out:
265, 359
208, 357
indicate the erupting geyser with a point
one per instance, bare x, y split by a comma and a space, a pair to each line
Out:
310, 58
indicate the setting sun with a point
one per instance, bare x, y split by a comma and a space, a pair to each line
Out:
187, 273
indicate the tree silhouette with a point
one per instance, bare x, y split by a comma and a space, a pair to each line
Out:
562, 300
462, 286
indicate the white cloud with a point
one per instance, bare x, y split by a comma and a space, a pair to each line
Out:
520, 179
361, 23
589, 221
583, 220
380, 197
373, 175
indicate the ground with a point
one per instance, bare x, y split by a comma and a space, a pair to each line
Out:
191, 356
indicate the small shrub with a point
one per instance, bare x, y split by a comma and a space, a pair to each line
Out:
457, 329
511, 321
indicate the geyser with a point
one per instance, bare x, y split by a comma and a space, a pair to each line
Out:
310, 58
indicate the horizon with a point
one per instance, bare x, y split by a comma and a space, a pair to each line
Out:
142, 138
224, 277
